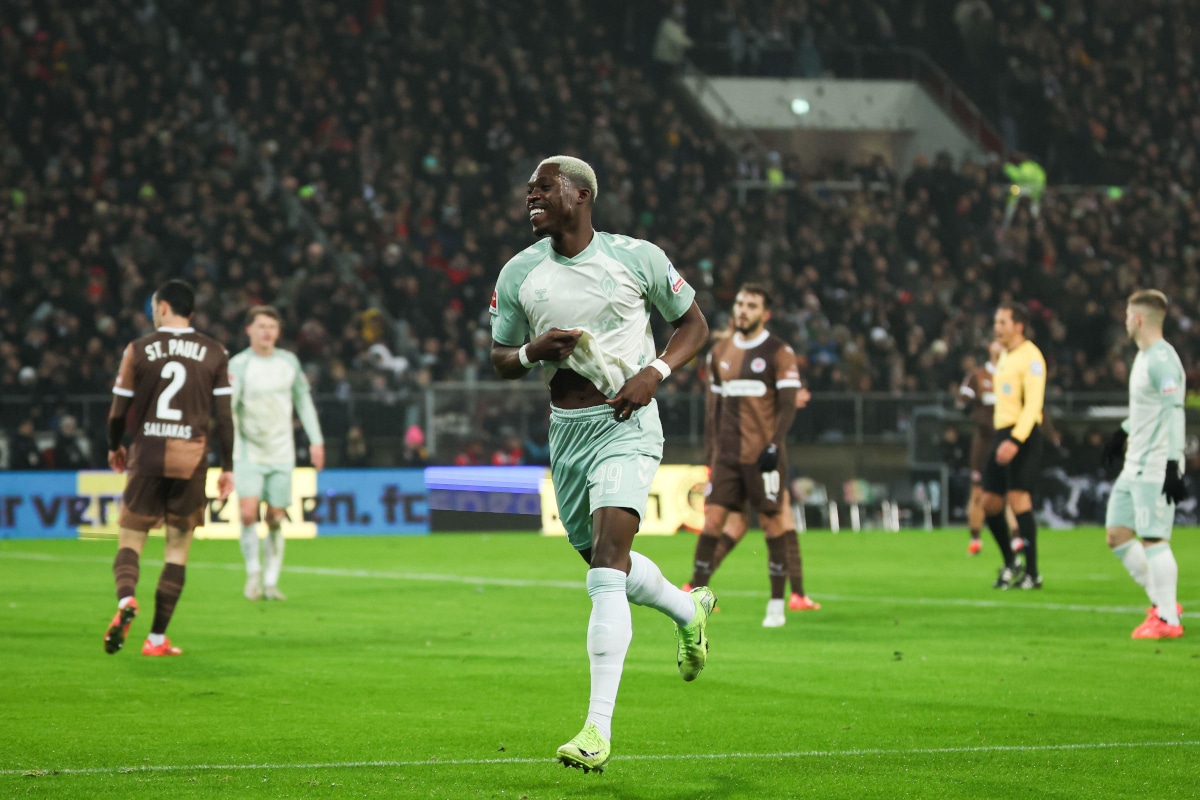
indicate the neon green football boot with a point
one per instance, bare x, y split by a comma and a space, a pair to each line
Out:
588, 751
693, 644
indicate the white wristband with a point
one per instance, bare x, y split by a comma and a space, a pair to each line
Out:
662, 367
523, 355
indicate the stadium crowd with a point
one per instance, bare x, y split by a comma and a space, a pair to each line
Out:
363, 168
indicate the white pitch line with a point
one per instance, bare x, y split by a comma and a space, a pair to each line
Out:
437, 762
475, 580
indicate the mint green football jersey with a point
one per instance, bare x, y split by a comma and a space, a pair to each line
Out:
607, 291
265, 390
1156, 417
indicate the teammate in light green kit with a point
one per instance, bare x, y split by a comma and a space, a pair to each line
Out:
582, 299
1141, 510
267, 384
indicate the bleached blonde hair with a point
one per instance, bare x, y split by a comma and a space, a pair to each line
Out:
576, 170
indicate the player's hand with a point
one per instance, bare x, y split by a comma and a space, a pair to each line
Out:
768, 459
1114, 448
117, 459
224, 485
637, 393
1173, 486
316, 454
802, 397
554, 345
1006, 452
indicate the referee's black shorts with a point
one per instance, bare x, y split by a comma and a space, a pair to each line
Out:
1019, 474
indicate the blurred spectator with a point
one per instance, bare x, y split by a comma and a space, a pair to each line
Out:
510, 454
414, 453
72, 450
23, 452
356, 452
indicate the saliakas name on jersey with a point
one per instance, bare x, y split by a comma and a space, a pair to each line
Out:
167, 430
185, 348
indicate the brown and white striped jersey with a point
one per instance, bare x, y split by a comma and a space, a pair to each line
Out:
745, 377
171, 377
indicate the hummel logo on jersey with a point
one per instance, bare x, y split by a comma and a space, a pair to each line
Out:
541, 295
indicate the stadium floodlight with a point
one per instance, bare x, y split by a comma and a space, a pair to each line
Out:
800, 107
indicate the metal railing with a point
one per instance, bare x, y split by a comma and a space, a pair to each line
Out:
488, 415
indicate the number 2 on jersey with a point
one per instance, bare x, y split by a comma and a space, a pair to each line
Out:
177, 374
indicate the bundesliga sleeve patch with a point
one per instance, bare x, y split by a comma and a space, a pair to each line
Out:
492, 308
674, 277
1036, 368
1169, 386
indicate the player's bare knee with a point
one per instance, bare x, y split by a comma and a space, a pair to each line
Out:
1020, 502
1115, 537
992, 504
275, 516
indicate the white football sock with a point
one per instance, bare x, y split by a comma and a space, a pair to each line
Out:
1164, 580
610, 630
250, 547
647, 587
1133, 556
156, 638
273, 548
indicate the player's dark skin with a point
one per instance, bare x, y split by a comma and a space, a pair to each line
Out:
563, 211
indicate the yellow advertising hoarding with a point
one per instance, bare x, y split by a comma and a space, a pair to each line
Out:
676, 501
221, 520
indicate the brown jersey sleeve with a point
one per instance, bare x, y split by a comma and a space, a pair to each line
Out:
787, 369
968, 392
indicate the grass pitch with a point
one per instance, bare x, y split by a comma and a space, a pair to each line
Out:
453, 666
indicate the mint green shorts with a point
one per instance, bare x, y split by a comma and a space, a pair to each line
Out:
1141, 507
597, 462
271, 483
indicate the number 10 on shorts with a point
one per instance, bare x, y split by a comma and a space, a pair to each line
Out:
771, 484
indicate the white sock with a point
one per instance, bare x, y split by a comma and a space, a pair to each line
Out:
250, 547
273, 548
1164, 580
1133, 556
647, 587
124, 601
610, 630
156, 638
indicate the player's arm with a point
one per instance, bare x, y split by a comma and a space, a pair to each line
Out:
514, 362
712, 410
1034, 398
223, 392
307, 411
966, 393
1170, 388
787, 385
122, 399
690, 334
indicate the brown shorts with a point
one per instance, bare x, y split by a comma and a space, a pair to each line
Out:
733, 485
152, 499
981, 447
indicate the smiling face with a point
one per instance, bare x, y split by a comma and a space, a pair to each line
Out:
553, 201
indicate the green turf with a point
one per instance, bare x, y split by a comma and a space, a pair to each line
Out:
430, 654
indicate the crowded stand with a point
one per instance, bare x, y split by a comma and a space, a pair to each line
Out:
362, 166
